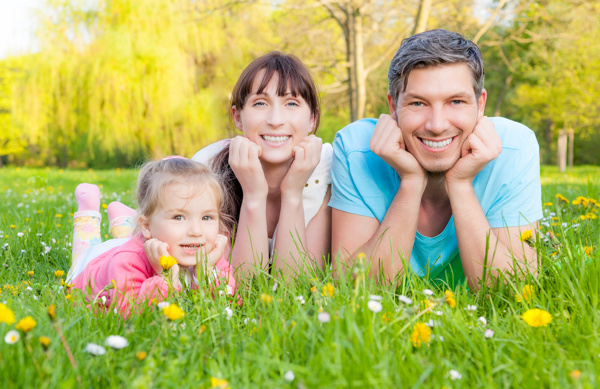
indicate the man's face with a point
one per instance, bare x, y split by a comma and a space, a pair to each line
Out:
436, 113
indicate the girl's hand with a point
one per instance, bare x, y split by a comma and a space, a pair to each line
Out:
244, 161
155, 249
214, 252
307, 155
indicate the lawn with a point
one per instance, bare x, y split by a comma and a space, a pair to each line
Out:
312, 332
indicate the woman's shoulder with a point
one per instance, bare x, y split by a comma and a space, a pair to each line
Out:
206, 154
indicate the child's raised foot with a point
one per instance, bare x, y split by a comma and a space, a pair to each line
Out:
88, 197
117, 210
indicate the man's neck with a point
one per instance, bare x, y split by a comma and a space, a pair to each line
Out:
435, 210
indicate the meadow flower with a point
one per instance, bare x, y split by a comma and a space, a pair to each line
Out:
324, 317
219, 383
275, 287
266, 298
6, 315
482, 320
162, 304
375, 297
374, 306
95, 349
301, 299
52, 312
59, 273
405, 299
167, 261
526, 236
20, 234
228, 313
30, 273
527, 293
117, 342
562, 198
289, 376
12, 337
26, 324
141, 355
47, 250
173, 312
45, 341
454, 375
537, 317
421, 334
588, 250
488, 334
575, 374
428, 292
449, 299
328, 290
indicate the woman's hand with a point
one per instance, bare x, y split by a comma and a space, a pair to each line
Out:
244, 161
307, 155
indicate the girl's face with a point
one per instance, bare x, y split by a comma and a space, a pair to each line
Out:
187, 220
275, 123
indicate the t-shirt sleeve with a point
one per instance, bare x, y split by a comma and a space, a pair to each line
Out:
344, 193
207, 154
519, 200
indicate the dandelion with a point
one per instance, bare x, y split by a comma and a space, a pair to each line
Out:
26, 324
421, 334
12, 337
167, 261
454, 375
95, 349
141, 355
428, 292
374, 306
526, 236
45, 341
405, 299
527, 293
173, 312
537, 317
575, 374
228, 313
449, 299
324, 317
266, 299
59, 273
328, 290
488, 334
562, 198
117, 342
202, 329
52, 312
313, 289
289, 376
588, 250
482, 320
30, 273
219, 383
6, 315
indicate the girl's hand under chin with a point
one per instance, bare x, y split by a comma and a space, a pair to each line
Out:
214, 252
307, 155
155, 249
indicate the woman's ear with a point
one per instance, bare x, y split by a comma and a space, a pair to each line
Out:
312, 123
236, 114
144, 224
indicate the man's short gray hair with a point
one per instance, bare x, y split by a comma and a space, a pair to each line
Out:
430, 49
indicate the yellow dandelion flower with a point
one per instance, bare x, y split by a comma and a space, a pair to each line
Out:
421, 334
313, 289
526, 236
39, 211
52, 312
59, 273
575, 374
30, 273
167, 262
219, 383
588, 250
582, 217
59, 215
6, 315
202, 329
141, 355
45, 341
293, 324
266, 299
12, 226
361, 256
429, 304
562, 198
104, 206
449, 298
173, 312
527, 292
328, 290
26, 324
68, 297
537, 317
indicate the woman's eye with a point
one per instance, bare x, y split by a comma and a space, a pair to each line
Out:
293, 103
258, 104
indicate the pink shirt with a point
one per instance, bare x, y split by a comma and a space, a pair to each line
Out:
136, 280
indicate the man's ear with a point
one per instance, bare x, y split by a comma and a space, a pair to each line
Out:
481, 104
144, 224
237, 117
392, 107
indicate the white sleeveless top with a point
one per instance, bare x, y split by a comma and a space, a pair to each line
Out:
313, 193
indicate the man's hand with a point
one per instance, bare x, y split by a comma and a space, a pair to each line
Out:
481, 146
388, 143
307, 155
244, 161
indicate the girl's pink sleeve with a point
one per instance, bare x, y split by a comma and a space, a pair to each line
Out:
225, 271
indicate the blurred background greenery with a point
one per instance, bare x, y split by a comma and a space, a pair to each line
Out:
118, 81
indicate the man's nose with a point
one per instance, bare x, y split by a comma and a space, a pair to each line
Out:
437, 122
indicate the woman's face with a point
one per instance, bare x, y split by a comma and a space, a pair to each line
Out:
275, 123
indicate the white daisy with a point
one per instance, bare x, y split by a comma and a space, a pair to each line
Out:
374, 306
117, 342
12, 337
324, 317
95, 349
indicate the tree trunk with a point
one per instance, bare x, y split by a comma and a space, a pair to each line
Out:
571, 145
548, 135
351, 55
422, 16
359, 67
507, 82
562, 150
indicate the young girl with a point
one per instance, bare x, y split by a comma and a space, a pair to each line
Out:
278, 169
180, 204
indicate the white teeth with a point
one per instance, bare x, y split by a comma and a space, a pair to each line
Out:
437, 145
277, 139
191, 247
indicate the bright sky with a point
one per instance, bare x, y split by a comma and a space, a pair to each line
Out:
17, 26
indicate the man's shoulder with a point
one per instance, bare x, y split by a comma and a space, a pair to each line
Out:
355, 136
514, 135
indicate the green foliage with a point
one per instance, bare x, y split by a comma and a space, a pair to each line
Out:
274, 332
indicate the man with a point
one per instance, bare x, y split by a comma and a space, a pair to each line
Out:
436, 181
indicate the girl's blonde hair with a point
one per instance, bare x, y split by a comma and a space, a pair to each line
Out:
156, 176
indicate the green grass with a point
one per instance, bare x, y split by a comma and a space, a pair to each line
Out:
263, 340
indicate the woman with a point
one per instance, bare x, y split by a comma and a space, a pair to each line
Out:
279, 171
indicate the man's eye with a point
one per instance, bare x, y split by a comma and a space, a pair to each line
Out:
457, 102
416, 104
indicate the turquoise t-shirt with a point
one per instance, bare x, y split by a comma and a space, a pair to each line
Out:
508, 189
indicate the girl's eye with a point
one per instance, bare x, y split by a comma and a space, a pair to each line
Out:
207, 218
178, 217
